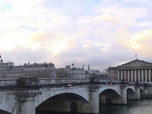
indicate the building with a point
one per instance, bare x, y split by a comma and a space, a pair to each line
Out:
9, 70
78, 73
134, 71
73, 72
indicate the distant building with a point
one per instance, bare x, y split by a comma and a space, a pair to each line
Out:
77, 72
63, 73
135, 71
71, 71
68, 67
9, 70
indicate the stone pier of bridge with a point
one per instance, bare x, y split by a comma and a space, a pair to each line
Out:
26, 102
93, 105
134, 95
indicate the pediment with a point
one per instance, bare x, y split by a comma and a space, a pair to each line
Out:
136, 63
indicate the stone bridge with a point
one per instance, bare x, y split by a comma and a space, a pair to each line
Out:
28, 95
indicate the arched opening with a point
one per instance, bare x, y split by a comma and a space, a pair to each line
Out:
130, 94
65, 103
142, 94
141, 91
4, 112
109, 96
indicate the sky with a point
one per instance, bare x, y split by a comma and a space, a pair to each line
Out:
101, 33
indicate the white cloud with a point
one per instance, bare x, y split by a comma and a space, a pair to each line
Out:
123, 12
101, 34
141, 43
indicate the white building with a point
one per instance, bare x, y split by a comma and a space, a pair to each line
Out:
135, 71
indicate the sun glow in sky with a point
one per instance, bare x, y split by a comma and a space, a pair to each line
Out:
102, 33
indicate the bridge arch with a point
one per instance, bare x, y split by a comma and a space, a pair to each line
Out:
110, 95
114, 88
142, 90
131, 89
62, 102
82, 92
131, 92
4, 112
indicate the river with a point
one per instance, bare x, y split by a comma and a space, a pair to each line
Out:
133, 107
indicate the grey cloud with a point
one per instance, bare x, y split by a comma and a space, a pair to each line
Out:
95, 56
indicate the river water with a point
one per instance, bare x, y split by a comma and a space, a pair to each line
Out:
133, 107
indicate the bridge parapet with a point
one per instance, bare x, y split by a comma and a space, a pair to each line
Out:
39, 81
8, 81
61, 80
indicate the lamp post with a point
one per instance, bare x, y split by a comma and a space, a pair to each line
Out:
72, 76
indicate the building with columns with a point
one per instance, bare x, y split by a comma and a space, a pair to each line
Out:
134, 71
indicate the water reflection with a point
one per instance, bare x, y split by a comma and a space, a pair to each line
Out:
133, 107
113, 109
140, 107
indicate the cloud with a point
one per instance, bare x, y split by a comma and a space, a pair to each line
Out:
21, 55
9, 39
102, 33
141, 43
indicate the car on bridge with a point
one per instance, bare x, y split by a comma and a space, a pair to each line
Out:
69, 85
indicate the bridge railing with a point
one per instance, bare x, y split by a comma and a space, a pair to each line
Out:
44, 81
39, 81
61, 80
8, 81
108, 81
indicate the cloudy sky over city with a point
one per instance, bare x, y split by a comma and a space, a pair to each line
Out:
102, 33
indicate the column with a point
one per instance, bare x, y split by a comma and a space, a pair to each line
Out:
132, 75
118, 74
142, 75
122, 74
125, 74
94, 99
139, 75
135, 79
145, 75
149, 74
128, 75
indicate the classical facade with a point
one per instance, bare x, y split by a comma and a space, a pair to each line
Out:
134, 71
